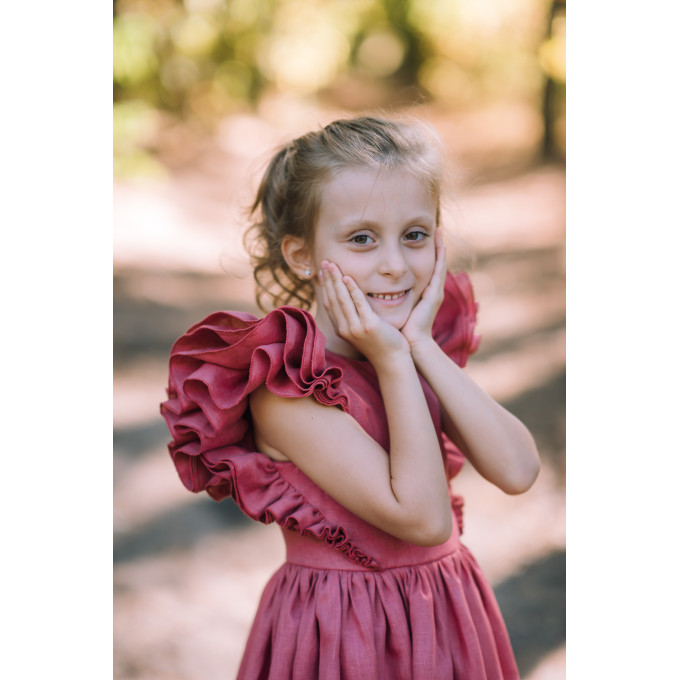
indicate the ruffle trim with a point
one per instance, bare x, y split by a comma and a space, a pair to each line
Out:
454, 325
457, 504
454, 332
213, 369
221, 360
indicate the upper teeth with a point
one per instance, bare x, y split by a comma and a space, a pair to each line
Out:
382, 296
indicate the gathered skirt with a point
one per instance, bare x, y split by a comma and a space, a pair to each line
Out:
428, 621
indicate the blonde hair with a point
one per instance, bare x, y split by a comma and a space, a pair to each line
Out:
289, 195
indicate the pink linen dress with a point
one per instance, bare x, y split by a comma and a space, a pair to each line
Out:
351, 602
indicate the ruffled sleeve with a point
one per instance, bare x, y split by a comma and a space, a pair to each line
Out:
454, 325
213, 368
454, 332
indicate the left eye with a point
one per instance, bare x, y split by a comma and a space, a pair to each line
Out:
415, 236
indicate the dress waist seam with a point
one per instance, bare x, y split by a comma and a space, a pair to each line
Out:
410, 565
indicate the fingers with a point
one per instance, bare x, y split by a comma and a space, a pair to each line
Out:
435, 287
353, 318
361, 305
440, 249
339, 302
419, 324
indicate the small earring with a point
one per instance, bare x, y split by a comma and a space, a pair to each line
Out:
308, 272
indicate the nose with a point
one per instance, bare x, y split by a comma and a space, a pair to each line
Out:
392, 261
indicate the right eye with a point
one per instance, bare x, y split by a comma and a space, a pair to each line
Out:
361, 239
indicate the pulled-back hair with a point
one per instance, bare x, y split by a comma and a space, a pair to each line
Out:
289, 196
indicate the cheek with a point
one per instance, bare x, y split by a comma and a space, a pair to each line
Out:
350, 264
325, 251
424, 266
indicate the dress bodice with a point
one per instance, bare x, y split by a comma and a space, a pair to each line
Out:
220, 361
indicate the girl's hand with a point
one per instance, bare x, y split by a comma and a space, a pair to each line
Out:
355, 321
418, 327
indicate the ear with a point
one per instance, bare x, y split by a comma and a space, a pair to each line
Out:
297, 255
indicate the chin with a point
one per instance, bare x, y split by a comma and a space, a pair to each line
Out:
395, 315
396, 319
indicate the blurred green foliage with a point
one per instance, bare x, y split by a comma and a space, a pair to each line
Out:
197, 61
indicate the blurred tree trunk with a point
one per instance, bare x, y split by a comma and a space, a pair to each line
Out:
397, 12
552, 93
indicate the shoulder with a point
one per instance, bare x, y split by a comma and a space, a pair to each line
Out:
219, 362
278, 422
216, 366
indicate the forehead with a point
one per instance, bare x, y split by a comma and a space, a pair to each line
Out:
376, 195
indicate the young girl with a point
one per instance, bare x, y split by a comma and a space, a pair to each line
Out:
345, 427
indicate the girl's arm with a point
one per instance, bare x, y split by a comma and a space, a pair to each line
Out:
404, 493
497, 444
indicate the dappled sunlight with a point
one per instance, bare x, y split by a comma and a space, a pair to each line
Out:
523, 212
153, 228
204, 91
534, 524
201, 60
188, 588
551, 667
507, 376
187, 582
139, 388
144, 488
305, 50
187, 615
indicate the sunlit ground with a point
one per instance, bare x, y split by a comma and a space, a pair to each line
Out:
188, 572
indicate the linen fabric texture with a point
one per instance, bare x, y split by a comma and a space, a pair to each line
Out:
351, 602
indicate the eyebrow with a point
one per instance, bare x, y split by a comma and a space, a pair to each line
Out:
352, 225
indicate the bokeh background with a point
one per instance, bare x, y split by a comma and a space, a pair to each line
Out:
203, 91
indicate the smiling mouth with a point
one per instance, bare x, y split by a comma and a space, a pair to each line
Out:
388, 296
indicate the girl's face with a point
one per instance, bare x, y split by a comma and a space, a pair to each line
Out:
378, 227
